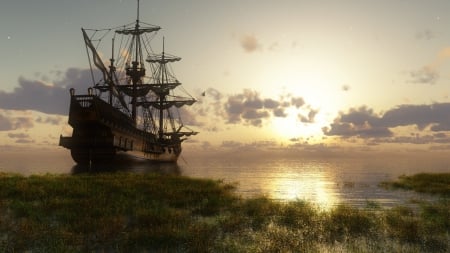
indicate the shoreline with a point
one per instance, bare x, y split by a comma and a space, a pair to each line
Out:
122, 212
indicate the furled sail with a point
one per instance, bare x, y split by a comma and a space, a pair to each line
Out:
162, 58
164, 105
141, 90
134, 31
164, 88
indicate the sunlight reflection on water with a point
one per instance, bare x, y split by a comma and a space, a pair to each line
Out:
315, 187
326, 181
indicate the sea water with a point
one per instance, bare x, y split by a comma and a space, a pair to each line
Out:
323, 181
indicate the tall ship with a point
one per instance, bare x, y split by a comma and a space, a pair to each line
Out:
134, 103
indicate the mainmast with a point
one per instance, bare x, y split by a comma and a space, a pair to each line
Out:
137, 69
136, 73
162, 98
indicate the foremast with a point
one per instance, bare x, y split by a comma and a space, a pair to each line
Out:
164, 82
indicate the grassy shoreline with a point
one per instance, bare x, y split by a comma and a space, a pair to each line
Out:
431, 183
129, 212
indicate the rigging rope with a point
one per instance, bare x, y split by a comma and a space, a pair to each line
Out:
90, 65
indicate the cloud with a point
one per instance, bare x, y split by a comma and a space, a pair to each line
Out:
231, 144
22, 122
249, 43
8, 123
35, 95
297, 102
47, 98
429, 74
424, 75
50, 120
311, 116
279, 112
189, 117
24, 141
5, 123
250, 108
18, 135
364, 123
214, 93
271, 103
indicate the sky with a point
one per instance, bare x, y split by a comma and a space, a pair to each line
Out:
279, 76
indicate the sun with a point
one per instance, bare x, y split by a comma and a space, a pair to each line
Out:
291, 127
315, 79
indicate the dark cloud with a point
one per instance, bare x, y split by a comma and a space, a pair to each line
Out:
345, 87
12, 123
209, 103
35, 95
50, 120
22, 123
252, 109
257, 145
429, 74
279, 112
18, 135
415, 139
364, 123
424, 75
24, 141
297, 102
248, 107
189, 117
249, 43
255, 114
39, 96
271, 103
231, 144
5, 123
214, 93
311, 116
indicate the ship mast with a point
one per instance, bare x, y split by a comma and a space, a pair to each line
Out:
136, 73
161, 99
130, 63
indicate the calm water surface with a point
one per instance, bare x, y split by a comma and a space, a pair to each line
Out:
325, 182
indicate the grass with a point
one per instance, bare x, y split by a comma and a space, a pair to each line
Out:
433, 183
125, 212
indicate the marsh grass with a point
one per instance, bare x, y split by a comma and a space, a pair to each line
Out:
433, 183
122, 212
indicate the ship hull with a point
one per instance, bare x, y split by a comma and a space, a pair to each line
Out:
100, 131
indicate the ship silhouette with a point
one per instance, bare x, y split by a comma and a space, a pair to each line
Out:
133, 105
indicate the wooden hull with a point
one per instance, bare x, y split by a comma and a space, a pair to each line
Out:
100, 131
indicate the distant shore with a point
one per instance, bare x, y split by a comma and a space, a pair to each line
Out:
432, 183
123, 212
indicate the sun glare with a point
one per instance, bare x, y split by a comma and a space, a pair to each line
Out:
292, 127
314, 187
318, 82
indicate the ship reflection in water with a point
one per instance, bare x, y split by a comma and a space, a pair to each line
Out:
128, 163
